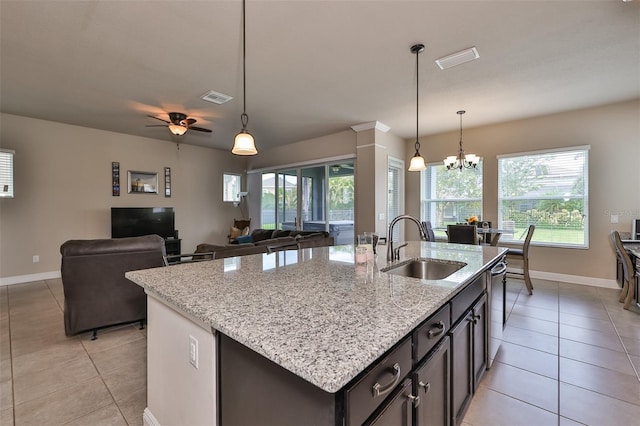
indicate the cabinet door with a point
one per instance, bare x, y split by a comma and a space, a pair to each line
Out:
462, 366
398, 410
432, 384
480, 340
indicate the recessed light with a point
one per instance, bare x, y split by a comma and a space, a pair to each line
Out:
458, 58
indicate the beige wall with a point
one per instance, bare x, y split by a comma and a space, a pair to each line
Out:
63, 189
612, 131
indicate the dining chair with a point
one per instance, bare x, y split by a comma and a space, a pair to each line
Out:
523, 254
428, 230
628, 286
462, 234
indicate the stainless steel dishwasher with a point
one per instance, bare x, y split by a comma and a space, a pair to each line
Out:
496, 295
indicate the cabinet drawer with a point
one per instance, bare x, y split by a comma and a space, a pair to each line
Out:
465, 298
371, 390
431, 332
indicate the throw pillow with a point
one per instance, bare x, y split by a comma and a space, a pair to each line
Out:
235, 232
242, 239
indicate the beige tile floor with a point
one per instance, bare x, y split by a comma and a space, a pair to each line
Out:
570, 355
47, 378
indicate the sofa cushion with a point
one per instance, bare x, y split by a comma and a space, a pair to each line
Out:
280, 233
261, 234
275, 241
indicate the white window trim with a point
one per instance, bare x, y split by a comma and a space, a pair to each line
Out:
586, 148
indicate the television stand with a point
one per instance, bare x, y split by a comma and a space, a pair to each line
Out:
173, 247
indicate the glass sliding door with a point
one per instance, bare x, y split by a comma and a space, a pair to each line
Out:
287, 199
313, 198
341, 211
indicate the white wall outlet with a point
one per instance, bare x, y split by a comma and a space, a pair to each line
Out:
193, 351
36, 258
381, 216
614, 218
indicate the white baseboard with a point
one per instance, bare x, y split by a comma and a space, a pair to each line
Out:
19, 279
573, 279
148, 419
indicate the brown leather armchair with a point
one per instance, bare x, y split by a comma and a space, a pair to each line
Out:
96, 293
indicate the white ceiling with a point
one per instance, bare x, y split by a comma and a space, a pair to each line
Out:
313, 67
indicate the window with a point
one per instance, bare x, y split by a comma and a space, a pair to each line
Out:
6, 173
395, 188
231, 187
450, 196
548, 189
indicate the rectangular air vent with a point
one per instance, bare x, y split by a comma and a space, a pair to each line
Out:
216, 97
458, 58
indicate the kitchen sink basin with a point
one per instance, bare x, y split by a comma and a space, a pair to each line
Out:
426, 269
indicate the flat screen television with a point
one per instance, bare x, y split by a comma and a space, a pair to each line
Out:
138, 221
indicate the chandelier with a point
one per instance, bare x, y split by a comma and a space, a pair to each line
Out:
462, 160
417, 162
244, 143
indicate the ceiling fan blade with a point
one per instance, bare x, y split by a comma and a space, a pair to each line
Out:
199, 129
189, 121
156, 125
168, 122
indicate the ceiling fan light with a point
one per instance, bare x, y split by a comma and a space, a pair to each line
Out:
177, 129
244, 144
417, 163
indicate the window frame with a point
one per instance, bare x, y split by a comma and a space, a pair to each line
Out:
7, 176
235, 191
424, 200
530, 156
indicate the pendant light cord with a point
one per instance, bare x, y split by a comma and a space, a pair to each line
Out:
244, 118
417, 145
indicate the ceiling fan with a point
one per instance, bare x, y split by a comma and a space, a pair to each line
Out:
178, 124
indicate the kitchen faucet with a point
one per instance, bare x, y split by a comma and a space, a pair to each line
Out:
395, 254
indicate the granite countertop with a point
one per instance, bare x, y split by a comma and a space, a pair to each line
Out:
312, 311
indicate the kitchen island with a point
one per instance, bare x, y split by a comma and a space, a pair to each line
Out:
219, 328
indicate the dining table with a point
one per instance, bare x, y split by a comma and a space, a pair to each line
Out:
492, 235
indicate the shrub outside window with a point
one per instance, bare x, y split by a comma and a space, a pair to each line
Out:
450, 196
548, 189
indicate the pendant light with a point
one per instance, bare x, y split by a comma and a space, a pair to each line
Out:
244, 143
417, 162
462, 160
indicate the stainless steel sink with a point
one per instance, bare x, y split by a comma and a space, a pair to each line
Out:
424, 268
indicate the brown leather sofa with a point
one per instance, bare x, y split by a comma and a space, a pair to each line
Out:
96, 293
265, 241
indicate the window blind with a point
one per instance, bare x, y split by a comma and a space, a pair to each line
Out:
6, 173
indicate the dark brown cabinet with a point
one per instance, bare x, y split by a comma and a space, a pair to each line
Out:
398, 411
428, 378
431, 384
468, 356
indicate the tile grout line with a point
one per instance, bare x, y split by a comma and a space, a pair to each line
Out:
621, 341
94, 366
558, 356
13, 387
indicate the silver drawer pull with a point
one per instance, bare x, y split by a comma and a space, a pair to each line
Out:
415, 400
379, 389
426, 386
439, 329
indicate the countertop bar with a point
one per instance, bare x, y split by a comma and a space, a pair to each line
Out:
312, 311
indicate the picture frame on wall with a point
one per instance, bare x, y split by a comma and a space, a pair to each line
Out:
142, 182
167, 182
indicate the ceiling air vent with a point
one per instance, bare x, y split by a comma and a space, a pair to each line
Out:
458, 58
215, 97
